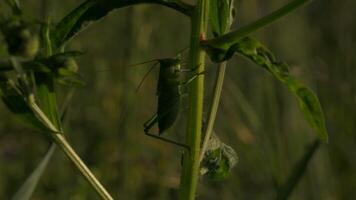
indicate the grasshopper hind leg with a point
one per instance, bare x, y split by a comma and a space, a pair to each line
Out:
150, 123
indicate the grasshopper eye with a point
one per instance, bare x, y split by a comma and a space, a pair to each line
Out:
21, 41
176, 68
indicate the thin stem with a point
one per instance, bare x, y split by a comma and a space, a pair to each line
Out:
190, 173
226, 40
72, 155
219, 81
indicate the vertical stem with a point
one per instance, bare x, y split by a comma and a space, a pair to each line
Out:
190, 173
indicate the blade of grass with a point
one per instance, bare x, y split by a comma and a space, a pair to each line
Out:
299, 170
28, 187
26, 190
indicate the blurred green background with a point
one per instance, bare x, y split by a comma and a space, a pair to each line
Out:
258, 117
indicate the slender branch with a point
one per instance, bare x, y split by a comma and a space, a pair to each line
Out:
190, 173
228, 39
219, 81
72, 155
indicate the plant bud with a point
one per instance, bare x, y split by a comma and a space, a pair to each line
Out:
21, 41
65, 66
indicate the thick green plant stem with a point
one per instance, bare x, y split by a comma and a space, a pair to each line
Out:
190, 172
62, 143
228, 39
219, 81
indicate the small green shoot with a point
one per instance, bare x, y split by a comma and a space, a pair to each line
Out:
219, 159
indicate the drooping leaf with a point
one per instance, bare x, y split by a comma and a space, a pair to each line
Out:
28, 187
82, 16
221, 15
93, 10
218, 159
308, 101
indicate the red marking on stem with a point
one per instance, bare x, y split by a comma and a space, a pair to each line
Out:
202, 37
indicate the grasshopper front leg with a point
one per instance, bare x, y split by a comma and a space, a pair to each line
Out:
184, 84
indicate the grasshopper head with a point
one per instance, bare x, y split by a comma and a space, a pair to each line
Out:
171, 65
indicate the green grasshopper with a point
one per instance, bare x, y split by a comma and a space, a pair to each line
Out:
169, 92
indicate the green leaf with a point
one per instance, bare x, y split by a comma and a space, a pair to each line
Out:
17, 104
218, 159
28, 187
93, 10
72, 23
308, 101
81, 17
221, 15
46, 96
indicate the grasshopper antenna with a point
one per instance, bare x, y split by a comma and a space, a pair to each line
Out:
148, 61
145, 76
182, 50
132, 65
145, 62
